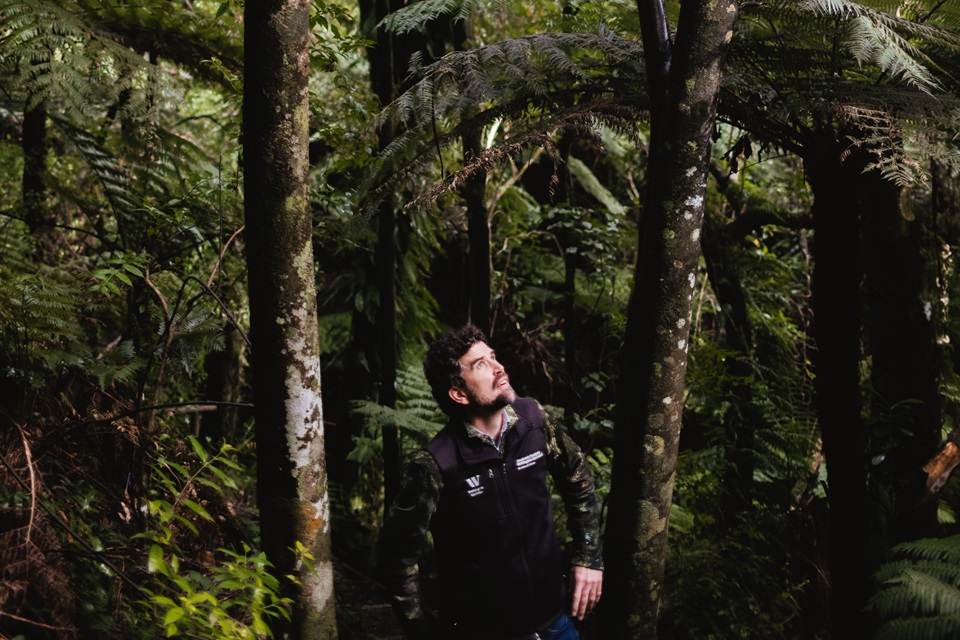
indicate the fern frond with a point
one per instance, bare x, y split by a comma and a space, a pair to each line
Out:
416, 15
919, 592
539, 84
920, 628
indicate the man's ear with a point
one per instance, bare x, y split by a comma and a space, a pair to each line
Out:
458, 395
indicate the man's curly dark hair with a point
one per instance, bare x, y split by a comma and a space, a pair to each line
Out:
442, 364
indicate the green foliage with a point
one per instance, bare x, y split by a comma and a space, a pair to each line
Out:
237, 597
919, 590
416, 416
539, 84
877, 74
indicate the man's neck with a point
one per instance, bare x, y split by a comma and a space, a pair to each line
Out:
490, 424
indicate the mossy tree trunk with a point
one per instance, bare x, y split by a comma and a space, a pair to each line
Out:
684, 85
291, 470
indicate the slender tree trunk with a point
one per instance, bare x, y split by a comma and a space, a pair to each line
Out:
473, 192
571, 403
651, 393
291, 469
386, 267
34, 143
223, 372
836, 304
481, 262
383, 79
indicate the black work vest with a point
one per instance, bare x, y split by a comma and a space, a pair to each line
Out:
501, 574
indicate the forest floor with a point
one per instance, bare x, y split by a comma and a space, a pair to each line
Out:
363, 608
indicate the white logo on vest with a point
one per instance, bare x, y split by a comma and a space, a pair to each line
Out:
475, 488
529, 460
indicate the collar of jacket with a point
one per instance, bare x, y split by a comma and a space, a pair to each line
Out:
475, 450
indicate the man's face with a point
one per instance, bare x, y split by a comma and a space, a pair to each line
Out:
487, 383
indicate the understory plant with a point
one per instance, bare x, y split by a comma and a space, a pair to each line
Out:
197, 592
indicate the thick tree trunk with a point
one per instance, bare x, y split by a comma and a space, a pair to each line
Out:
651, 393
904, 356
836, 304
291, 470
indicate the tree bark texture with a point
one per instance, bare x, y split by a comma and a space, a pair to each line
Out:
651, 392
291, 469
836, 303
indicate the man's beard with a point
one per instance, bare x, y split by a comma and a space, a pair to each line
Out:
503, 398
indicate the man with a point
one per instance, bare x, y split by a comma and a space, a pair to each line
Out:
480, 487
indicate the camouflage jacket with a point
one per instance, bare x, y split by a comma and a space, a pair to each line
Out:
407, 523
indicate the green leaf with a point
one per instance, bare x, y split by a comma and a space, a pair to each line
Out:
199, 510
179, 469
198, 449
173, 615
227, 481
155, 560
188, 525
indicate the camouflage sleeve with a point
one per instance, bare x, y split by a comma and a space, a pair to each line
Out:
571, 475
404, 536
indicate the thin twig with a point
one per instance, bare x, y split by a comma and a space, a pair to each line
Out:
223, 252
33, 482
34, 622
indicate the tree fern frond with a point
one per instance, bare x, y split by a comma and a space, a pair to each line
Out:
919, 594
416, 15
940, 549
944, 571
914, 593
875, 38
920, 628
536, 83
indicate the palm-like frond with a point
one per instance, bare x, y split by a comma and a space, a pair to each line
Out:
53, 55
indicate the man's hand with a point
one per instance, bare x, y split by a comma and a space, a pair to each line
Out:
587, 584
